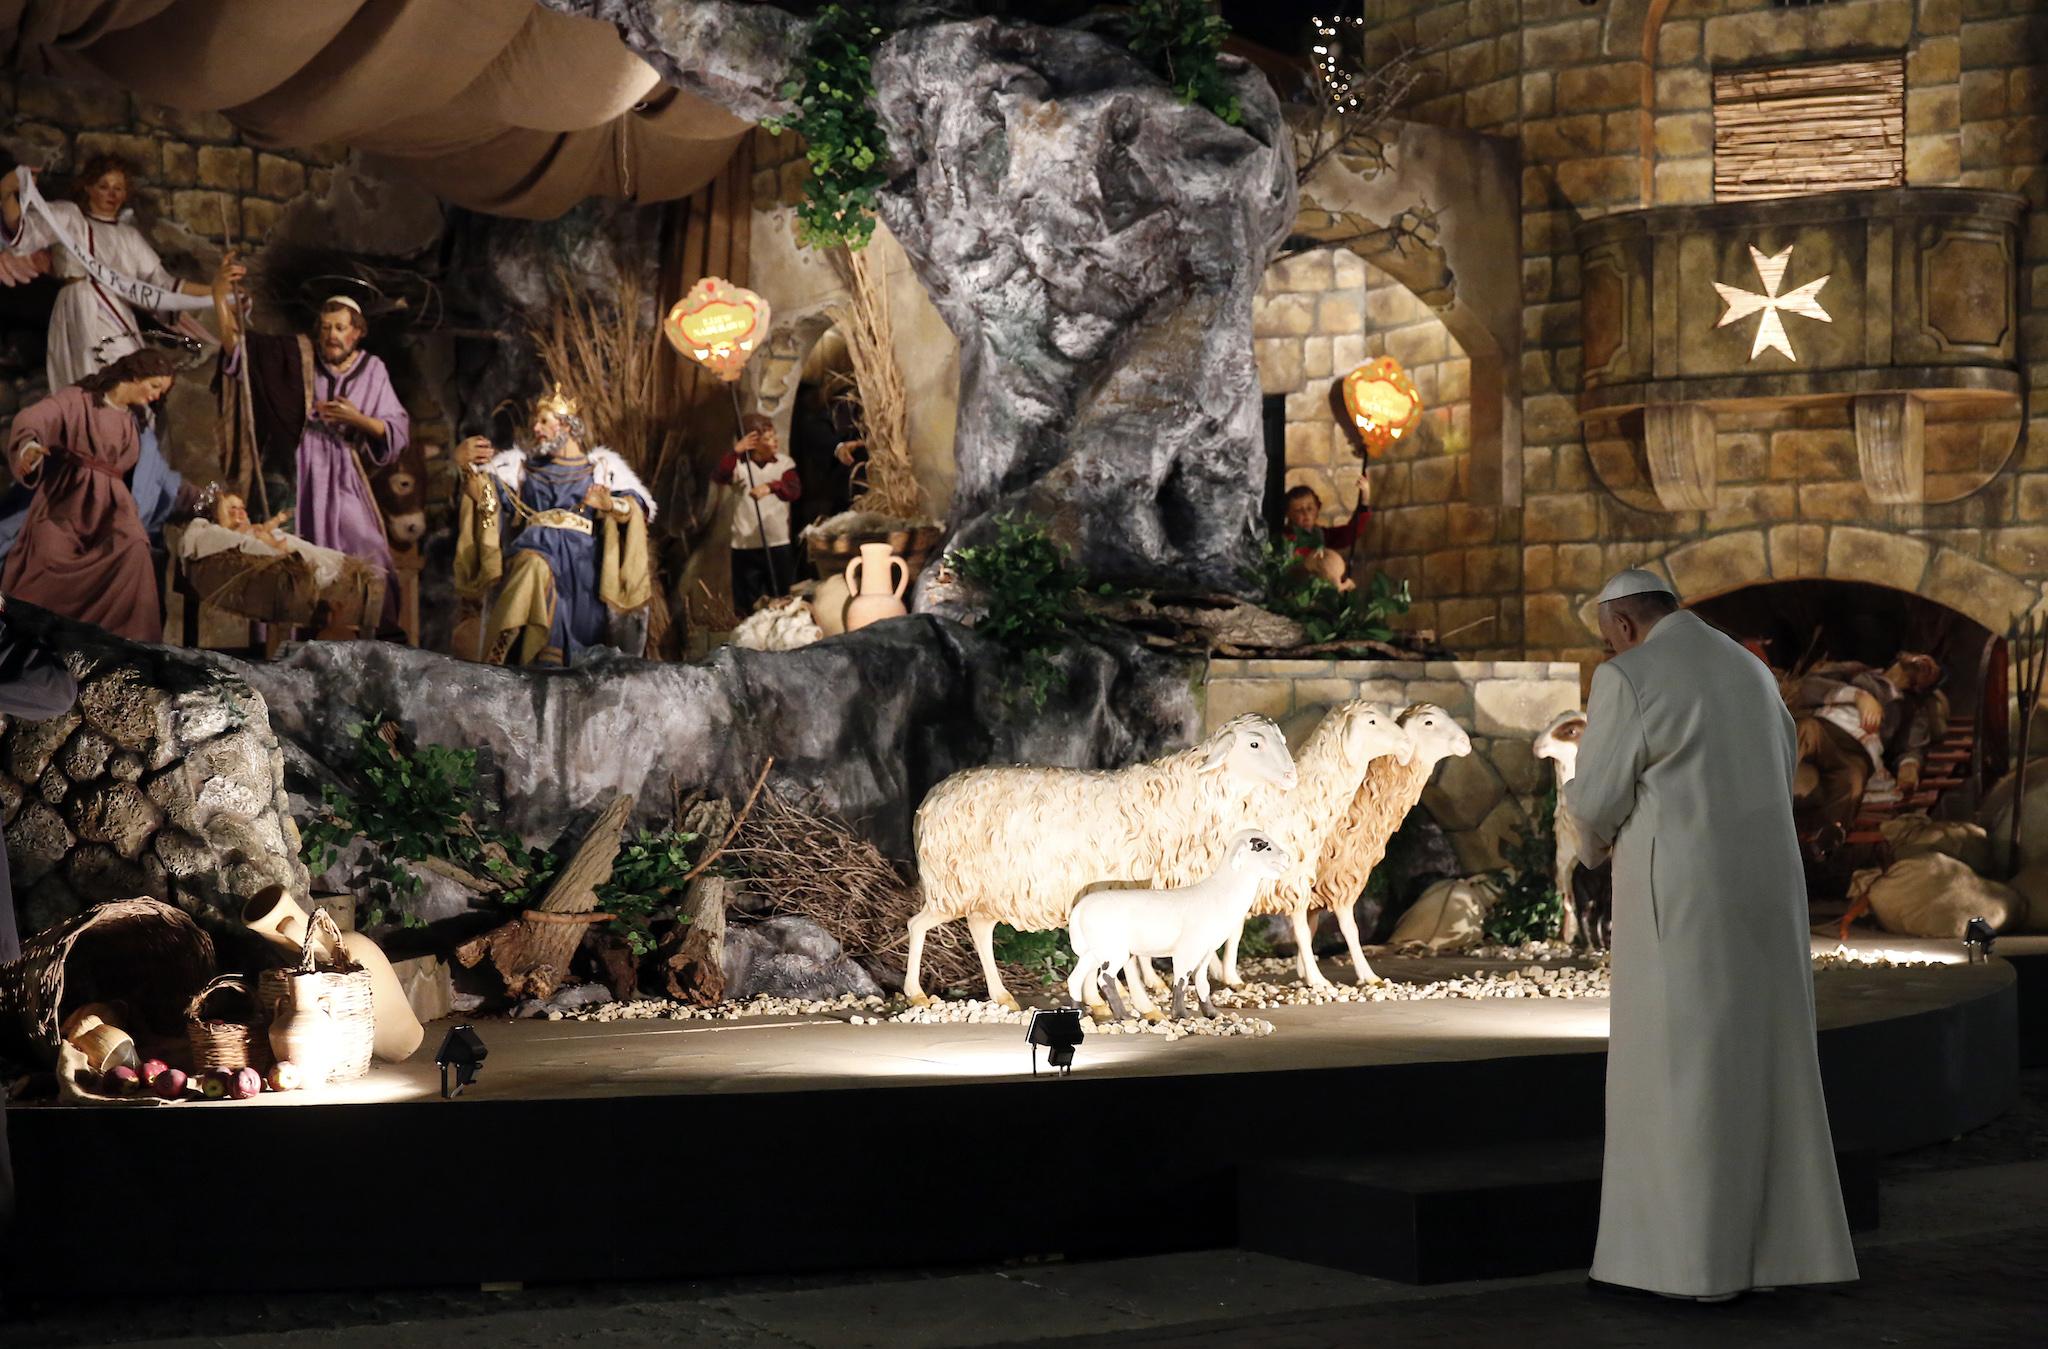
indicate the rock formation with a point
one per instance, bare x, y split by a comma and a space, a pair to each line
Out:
1093, 242
169, 778
868, 721
164, 780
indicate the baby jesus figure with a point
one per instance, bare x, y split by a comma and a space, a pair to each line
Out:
231, 512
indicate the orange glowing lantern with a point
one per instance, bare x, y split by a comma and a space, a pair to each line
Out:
718, 325
1382, 401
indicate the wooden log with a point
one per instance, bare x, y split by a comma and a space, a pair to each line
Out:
533, 956
695, 971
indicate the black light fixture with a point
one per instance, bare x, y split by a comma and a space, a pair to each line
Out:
1059, 1030
463, 1051
1977, 940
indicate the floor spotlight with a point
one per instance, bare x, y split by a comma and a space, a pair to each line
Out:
463, 1051
1978, 939
1059, 1030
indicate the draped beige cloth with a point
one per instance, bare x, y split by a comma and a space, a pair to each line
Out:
497, 105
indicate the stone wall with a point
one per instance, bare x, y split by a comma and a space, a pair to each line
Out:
1612, 112
1480, 801
164, 780
197, 179
1319, 316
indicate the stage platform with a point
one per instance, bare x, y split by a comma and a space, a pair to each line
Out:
658, 1148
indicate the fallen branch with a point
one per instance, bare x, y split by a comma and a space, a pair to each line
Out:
705, 861
532, 952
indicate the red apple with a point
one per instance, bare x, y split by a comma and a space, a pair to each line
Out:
123, 1080
152, 1069
244, 1083
169, 1084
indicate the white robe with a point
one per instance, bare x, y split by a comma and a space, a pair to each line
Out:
90, 328
1720, 1171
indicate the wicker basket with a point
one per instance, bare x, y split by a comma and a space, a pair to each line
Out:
148, 955
345, 988
217, 1041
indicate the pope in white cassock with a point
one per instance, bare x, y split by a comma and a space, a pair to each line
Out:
1720, 1171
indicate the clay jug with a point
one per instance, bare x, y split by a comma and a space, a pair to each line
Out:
867, 576
828, 605
302, 1032
279, 918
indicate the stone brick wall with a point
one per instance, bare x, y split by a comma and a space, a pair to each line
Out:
1603, 128
196, 177
1480, 801
1320, 315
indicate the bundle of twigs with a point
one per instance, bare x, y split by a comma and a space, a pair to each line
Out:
603, 352
889, 484
811, 865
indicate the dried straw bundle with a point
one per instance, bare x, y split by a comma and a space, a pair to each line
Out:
605, 353
814, 867
889, 485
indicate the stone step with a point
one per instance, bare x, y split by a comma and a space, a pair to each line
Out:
1478, 1213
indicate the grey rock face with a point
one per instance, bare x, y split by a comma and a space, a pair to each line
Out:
1095, 244
869, 722
790, 958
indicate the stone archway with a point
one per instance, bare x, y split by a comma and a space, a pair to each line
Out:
1701, 569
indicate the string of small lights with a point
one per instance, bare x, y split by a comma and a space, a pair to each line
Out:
1340, 84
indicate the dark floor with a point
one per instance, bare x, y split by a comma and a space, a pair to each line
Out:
1958, 1262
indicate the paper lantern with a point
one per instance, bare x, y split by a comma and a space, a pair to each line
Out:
718, 325
1382, 401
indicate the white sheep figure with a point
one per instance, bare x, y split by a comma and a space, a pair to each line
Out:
1115, 929
1019, 845
1559, 743
1353, 741
1391, 788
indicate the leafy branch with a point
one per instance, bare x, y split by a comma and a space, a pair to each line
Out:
833, 91
1180, 40
1326, 613
1032, 591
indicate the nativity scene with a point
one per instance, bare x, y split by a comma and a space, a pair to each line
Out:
647, 562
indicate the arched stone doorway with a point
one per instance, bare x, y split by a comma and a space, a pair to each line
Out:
1701, 569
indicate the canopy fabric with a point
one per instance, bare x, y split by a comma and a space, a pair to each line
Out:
497, 105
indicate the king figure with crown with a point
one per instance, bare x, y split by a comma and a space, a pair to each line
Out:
558, 530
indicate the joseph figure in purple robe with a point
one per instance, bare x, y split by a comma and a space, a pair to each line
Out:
325, 407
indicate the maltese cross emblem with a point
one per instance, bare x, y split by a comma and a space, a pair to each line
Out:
1770, 331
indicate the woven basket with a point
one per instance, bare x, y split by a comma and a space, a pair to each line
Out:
345, 987
223, 1041
143, 953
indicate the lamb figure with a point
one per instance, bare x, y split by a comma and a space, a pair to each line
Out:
1344, 749
1391, 788
1585, 891
1019, 845
1116, 929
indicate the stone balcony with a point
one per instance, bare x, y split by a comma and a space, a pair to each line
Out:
1888, 302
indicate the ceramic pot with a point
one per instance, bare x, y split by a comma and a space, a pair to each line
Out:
867, 576
828, 605
302, 1032
279, 918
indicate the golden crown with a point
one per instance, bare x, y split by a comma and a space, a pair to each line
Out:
556, 403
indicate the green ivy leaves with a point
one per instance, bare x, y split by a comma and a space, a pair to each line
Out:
1325, 613
1032, 591
1180, 40
835, 114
